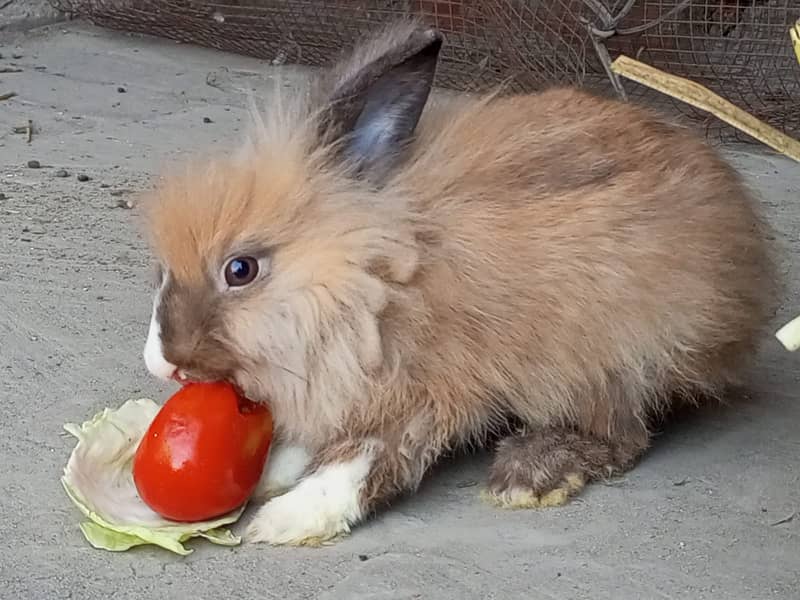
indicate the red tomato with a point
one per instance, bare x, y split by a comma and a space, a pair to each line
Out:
203, 454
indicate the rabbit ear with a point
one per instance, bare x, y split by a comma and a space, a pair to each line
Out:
376, 99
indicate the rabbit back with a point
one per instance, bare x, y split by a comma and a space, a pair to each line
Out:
582, 259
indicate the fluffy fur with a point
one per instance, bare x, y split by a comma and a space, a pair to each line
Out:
560, 260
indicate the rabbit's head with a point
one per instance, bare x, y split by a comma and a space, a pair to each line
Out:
274, 265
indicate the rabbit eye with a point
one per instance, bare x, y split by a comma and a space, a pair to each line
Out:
240, 271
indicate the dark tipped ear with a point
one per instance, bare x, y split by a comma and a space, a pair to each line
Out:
377, 98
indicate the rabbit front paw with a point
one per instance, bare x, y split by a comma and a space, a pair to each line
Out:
323, 506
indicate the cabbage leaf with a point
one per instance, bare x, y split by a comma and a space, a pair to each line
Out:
98, 478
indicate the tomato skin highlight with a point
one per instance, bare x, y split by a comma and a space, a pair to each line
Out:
203, 454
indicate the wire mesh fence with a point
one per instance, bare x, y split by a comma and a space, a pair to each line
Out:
738, 48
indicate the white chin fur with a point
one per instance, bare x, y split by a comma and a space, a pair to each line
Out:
153, 355
322, 506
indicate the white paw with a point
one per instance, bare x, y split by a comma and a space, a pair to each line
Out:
321, 507
285, 466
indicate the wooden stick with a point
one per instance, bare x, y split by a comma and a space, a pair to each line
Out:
794, 34
704, 99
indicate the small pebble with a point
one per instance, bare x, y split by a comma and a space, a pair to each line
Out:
207, 120
124, 204
104, 185
62, 173
3, 196
83, 177
121, 90
363, 557
34, 164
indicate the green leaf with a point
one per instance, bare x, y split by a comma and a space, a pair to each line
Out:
108, 539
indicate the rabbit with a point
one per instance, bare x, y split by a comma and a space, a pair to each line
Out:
401, 275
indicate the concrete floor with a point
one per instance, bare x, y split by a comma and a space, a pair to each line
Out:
699, 518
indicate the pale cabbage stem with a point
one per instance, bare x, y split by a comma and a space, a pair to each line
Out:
789, 335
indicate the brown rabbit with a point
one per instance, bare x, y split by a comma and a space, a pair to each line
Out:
397, 283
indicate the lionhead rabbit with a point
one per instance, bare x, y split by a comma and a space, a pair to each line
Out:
398, 278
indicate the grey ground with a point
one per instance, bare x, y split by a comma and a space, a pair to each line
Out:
697, 519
